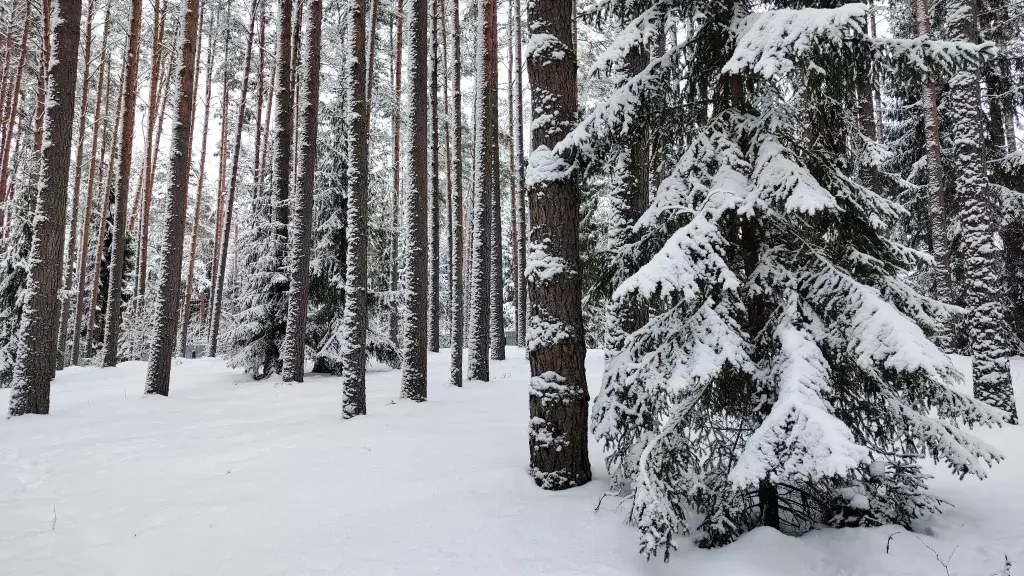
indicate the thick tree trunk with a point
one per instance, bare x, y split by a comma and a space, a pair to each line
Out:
158, 375
558, 385
988, 338
493, 189
186, 316
480, 300
113, 316
35, 366
434, 261
302, 222
457, 228
69, 265
414, 365
353, 358
222, 254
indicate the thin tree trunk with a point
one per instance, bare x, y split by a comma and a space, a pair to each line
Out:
302, 223
395, 176
480, 289
414, 366
434, 261
937, 207
8, 135
354, 319
158, 374
513, 193
457, 230
222, 169
186, 316
99, 115
558, 384
113, 316
222, 254
492, 127
106, 184
69, 265
517, 140
40, 319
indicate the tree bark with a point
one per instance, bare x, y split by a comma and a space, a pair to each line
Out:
493, 190
69, 265
396, 170
222, 254
35, 366
302, 223
558, 385
99, 116
113, 316
987, 329
158, 375
434, 261
480, 300
414, 366
186, 316
353, 358
457, 229
517, 139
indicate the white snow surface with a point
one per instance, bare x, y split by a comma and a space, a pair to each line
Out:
233, 477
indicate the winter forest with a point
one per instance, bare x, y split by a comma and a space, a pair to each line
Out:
747, 276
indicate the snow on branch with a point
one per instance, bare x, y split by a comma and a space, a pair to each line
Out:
768, 42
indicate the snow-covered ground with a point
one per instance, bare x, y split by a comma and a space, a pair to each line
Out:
233, 477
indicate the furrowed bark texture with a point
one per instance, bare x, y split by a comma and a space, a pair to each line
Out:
158, 375
302, 222
113, 316
355, 314
458, 229
414, 365
483, 182
38, 333
558, 386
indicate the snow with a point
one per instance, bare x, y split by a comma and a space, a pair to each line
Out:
233, 477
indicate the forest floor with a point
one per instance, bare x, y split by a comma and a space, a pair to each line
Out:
233, 477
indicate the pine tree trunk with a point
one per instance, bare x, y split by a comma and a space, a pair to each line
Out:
69, 265
113, 316
396, 191
8, 126
222, 170
558, 385
414, 365
483, 181
493, 189
35, 366
158, 375
99, 116
988, 338
302, 222
353, 360
106, 185
513, 194
937, 206
222, 254
517, 139
186, 316
630, 191
446, 304
434, 261
156, 114
457, 228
